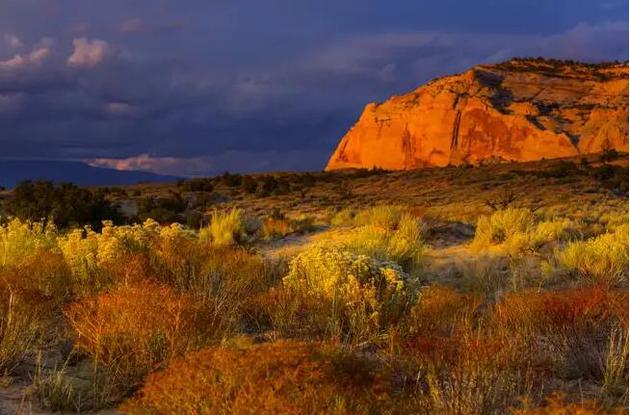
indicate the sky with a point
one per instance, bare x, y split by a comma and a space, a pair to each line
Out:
198, 87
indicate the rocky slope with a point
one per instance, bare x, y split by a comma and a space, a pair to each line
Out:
520, 110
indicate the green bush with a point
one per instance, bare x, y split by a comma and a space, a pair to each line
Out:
65, 204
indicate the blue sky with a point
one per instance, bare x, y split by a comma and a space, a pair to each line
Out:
198, 87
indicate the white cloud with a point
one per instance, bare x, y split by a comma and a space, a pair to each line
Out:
142, 162
88, 53
35, 58
242, 161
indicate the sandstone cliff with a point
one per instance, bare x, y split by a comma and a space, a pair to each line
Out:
520, 110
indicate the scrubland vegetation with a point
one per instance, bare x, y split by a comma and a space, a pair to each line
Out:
494, 304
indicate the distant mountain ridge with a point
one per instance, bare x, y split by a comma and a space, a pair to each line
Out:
519, 110
14, 171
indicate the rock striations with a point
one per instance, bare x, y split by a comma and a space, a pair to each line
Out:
520, 110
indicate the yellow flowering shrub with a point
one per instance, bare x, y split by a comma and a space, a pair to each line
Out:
354, 295
91, 256
20, 241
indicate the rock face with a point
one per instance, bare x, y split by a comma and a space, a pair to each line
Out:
520, 110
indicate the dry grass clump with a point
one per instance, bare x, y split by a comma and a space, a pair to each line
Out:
601, 259
517, 231
384, 216
467, 372
455, 363
224, 228
403, 244
472, 358
344, 217
276, 228
135, 329
23, 324
224, 282
284, 377
347, 296
56, 391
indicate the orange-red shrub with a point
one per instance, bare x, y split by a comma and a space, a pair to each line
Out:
285, 377
576, 310
135, 329
570, 329
44, 273
440, 310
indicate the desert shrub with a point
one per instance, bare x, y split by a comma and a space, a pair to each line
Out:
64, 204
249, 184
44, 274
384, 216
344, 217
603, 258
353, 296
22, 324
561, 169
162, 209
557, 404
135, 329
225, 228
615, 382
611, 177
406, 244
224, 280
485, 274
21, 241
501, 226
516, 231
91, 256
303, 224
440, 310
284, 377
56, 391
403, 245
276, 228
468, 373
458, 363
268, 185
568, 328
201, 184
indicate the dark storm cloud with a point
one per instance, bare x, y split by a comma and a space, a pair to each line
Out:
200, 87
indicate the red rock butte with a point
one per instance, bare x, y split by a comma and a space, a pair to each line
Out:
520, 110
